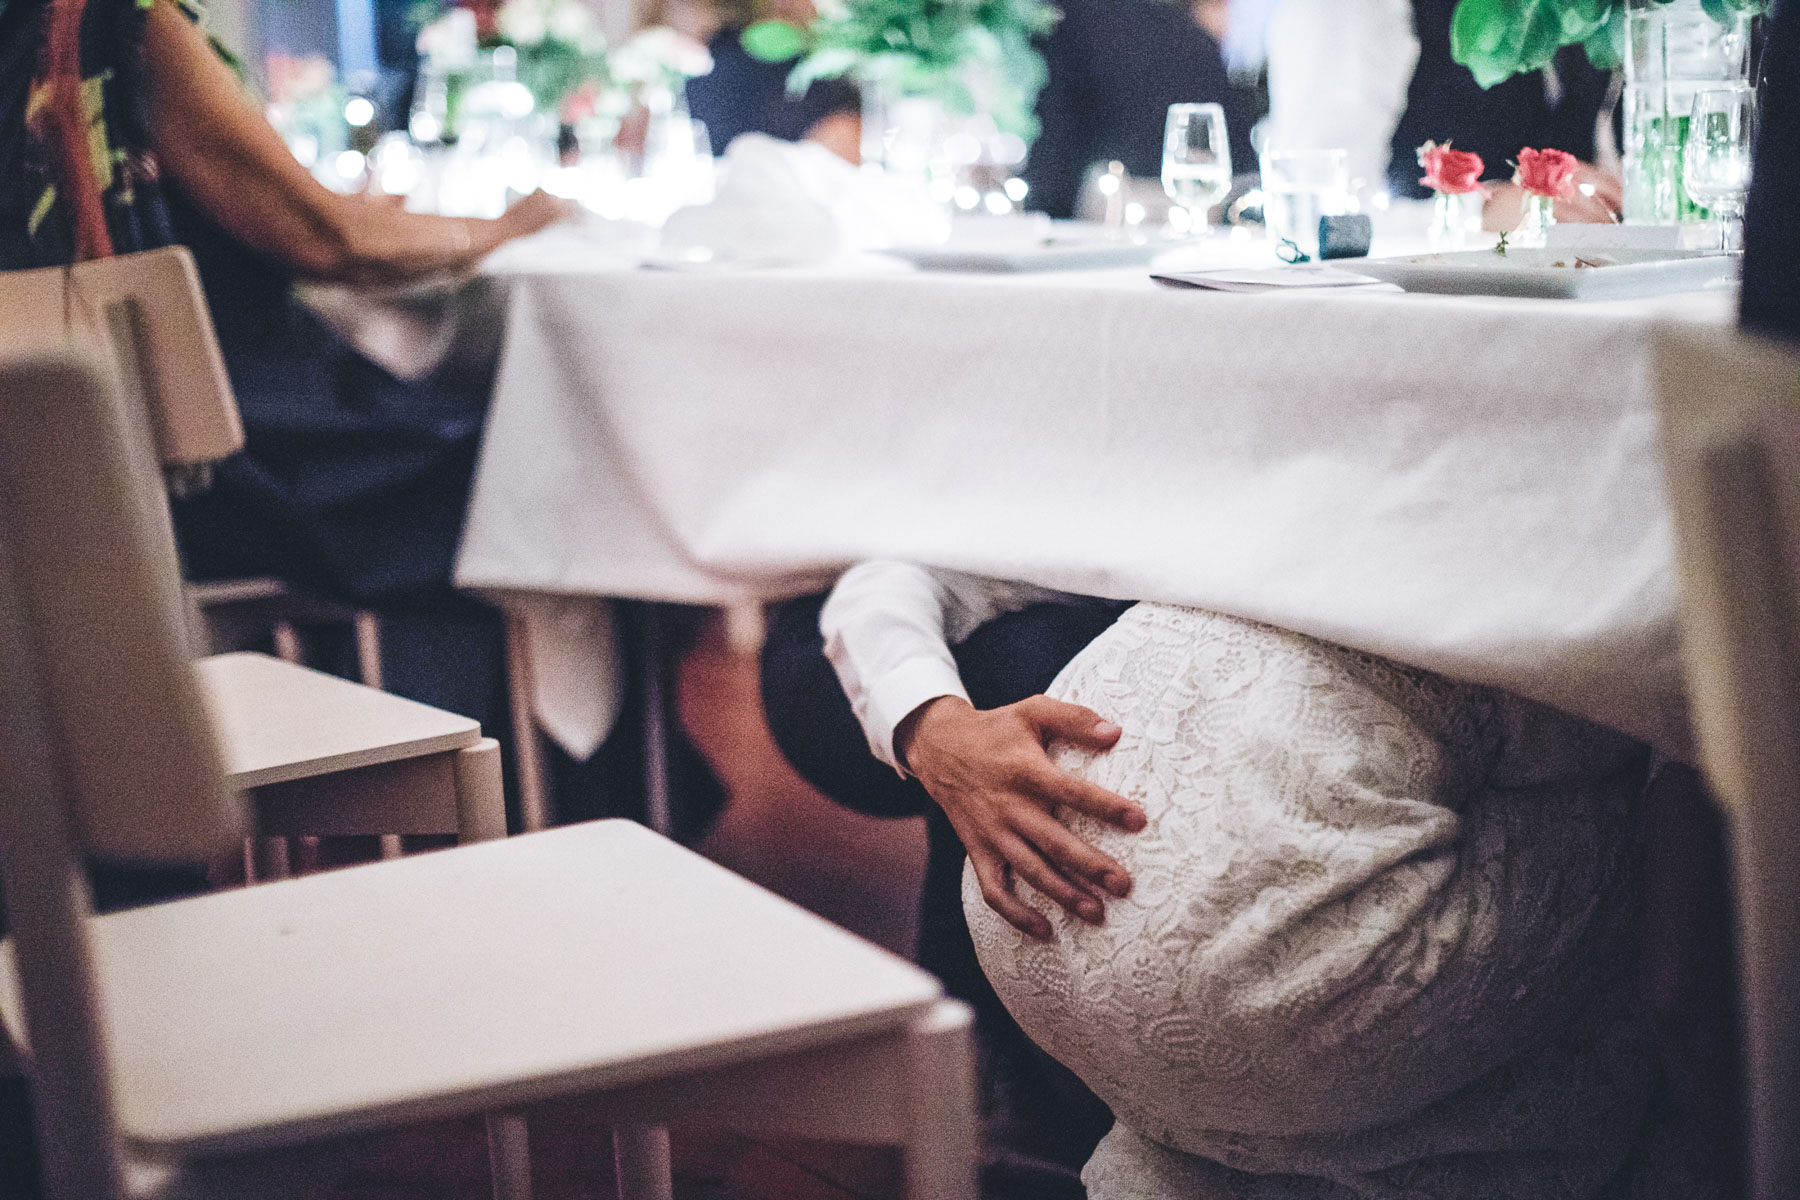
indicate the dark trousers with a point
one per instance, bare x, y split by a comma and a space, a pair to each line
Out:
1005, 661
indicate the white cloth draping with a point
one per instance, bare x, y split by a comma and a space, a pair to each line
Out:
1469, 486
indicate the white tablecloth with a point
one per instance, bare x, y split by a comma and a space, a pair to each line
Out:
1468, 485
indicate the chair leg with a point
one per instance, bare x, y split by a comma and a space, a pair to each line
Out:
368, 647
480, 793
509, 1155
534, 789
1763, 838
943, 1133
641, 1157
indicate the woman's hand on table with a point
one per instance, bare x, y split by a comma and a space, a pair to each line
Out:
232, 163
990, 771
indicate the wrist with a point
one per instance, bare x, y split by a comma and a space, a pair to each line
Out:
932, 712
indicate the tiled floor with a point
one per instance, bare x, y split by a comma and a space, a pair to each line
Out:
859, 872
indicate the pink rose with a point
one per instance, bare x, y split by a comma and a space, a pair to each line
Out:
1549, 173
1452, 172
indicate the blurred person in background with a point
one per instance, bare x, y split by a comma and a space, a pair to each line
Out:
745, 94
1375, 78
1115, 67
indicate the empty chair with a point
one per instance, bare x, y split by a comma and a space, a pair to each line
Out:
385, 765
1731, 419
181, 1041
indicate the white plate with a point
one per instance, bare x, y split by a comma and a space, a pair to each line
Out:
1080, 253
1554, 274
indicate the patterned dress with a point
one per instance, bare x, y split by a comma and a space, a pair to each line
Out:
1382, 942
38, 221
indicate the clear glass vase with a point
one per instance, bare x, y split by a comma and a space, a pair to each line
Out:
1533, 232
965, 161
1454, 216
1672, 50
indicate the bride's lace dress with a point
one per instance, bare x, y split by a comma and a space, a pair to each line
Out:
1381, 939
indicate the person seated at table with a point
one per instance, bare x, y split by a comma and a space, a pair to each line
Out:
1380, 929
1376, 78
1114, 68
353, 482
744, 94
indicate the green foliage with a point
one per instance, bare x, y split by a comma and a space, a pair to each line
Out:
970, 54
554, 69
774, 41
1497, 39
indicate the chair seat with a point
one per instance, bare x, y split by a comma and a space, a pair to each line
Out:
441, 984
278, 722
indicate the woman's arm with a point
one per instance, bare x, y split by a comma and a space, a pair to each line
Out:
233, 164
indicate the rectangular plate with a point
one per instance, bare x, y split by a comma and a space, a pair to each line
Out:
1074, 254
1552, 274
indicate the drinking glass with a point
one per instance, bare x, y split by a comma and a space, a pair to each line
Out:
1715, 163
1196, 165
1299, 187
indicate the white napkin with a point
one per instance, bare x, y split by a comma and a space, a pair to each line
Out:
577, 683
792, 204
1265, 279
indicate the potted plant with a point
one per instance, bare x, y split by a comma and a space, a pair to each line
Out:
1668, 48
934, 74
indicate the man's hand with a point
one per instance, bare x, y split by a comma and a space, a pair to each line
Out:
990, 773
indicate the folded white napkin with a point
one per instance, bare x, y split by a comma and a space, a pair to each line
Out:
791, 204
1265, 279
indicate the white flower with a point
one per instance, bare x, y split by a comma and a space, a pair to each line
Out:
570, 21
659, 53
448, 43
522, 23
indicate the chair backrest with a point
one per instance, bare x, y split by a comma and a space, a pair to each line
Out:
1731, 425
97, 597
104, 745
146, 313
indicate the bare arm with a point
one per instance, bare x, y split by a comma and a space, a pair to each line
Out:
233, 164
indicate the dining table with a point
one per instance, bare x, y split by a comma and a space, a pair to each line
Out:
1466, 484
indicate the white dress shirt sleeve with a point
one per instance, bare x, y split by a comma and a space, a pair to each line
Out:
1339, 71
888, 629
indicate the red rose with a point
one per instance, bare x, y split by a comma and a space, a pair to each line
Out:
1549, 173
487, 19
1452, 172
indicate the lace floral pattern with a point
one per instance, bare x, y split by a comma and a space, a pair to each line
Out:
1380, 939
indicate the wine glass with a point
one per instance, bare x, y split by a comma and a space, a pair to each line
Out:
1715, 162
1196, 165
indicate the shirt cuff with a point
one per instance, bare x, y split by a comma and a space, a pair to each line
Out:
893, 697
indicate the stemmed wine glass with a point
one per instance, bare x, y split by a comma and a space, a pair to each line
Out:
1196, 165
1715, 163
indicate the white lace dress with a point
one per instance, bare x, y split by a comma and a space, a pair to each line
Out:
1381, 938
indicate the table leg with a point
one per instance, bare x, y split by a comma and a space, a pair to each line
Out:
534, 788
641, 1157
659, 813
509, 1156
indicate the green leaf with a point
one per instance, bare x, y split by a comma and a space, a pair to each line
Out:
1497, 39
773, 41
820, 64
1606, 48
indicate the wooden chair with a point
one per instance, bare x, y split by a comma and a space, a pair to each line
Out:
147, 315
175, 1049
1731, 419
